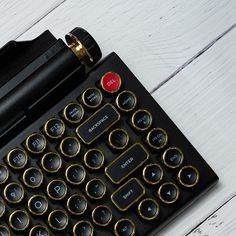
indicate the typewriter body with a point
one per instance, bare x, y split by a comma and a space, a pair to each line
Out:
84, 148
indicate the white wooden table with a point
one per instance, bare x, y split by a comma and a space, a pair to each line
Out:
184, 52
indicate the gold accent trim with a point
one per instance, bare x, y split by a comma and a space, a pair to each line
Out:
137, 199
69, 209
188, 185
133, 123
86, 156
62, 151
38, 226
164, 155
24, 176
101, 82
10, 220
5, 190
120, 156
29, 201
49, 219
117, 100
148, 138
66, 117
124, 219
4, 181
162, 199
84, 101
54, 198
103, 131
93, 213
43, 159
4, 227
9, 155
83, 221
101, 181
116, 147
4, 208
27, 144
144, 171
67, 170
140, 212
46, 126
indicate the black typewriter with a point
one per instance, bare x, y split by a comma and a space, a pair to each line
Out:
85, 149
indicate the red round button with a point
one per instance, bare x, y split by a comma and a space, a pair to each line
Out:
111, 82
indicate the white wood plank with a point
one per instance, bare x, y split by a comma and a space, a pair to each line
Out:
18, 16
153, 37
201, 100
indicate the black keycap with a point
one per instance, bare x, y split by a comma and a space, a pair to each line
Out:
73, 113
36, 143
126, 101
58, 220
70, 147
4, 174
168, 193
77, 204
17, 158
38, 204
126, 163
2, 208
141, 120
92, 97
39, 230
33, 177
188, 176
4, 231
152, 173
94, 159
83, 228
98, 123
102, 215
14, 193
54, 128
57, 189
129, 193
124, 227
118, 139
19, 220
173, 157
51, 162
157, 138
148, 209
95, 189
75, 174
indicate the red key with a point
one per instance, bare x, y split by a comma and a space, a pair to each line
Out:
111, 82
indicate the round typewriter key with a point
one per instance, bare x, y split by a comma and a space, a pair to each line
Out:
126, 101
92, 97
54, 128
14, 193
102, 215
168, 193
58, 220
2, 208
141, 120
75, 174
38, 205
118, 139
157, 138
153, 173
188, 176
77, 204
39, 230
73, 113
4, 174
36, 143
70, 147
57, 189
17, 158
33, 177
19, 220
148, 209
51, 162
111, 82
95, 189
94, 159
173, 157
4, 231
84, 228
124, 227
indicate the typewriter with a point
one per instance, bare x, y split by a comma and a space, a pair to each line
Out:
84, 148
